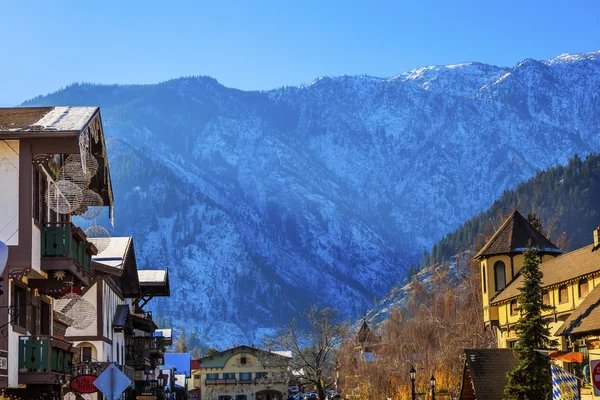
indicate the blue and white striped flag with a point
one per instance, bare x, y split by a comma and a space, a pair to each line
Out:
564, 384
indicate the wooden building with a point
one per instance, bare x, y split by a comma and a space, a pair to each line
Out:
50, 158
45, 249
570, 287
485, 373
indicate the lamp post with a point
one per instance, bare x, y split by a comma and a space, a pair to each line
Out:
413, 375
432, 382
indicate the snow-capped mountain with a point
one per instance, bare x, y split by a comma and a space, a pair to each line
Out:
261, 202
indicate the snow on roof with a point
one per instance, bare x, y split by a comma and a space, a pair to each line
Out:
115, 253
152, 275
283, 353
166, 333
63, 118
67, 118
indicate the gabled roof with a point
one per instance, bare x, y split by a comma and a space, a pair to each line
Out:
366, 336
154, 282
119, 256
514, 236
115, 253
484, 373
80, 127
45, 119
569, 266
218, 360
586, 317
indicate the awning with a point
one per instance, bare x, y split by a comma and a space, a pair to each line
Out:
120, 317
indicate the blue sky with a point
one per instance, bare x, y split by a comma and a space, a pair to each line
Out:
266, 44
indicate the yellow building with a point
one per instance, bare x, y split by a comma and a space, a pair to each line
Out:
501, 259
569, 284
244, 373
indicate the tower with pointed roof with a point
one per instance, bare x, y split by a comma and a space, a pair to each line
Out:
501, 259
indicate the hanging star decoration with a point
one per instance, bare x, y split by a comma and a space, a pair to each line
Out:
59, 275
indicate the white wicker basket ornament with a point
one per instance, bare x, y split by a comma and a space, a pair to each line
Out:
64, 197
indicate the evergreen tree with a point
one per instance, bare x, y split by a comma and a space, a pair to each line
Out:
535, 221
531, 379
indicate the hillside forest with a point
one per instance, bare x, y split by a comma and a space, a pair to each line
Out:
443, 315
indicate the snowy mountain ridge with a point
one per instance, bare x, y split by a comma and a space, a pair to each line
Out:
262, 202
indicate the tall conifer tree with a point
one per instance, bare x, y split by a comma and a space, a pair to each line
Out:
531, 379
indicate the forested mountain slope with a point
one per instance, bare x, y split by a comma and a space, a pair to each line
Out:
261, 202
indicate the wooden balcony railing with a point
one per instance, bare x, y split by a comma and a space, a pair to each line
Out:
63, 240
137, 353
44, 360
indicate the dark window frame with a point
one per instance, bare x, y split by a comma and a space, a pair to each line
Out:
546, 297
513, 308
247, 376
85, 357
45, 318
497, 266
562, 299
19, 301
483, 277
583, 282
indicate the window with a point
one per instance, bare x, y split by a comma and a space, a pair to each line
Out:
513, 307
243, 360
37, 195
546, 297
499, 275
118, 355
45, 319
86, 354
240, 397
484, 284
512, 344
212, 376
225, 398
196, 376
245, 376
228, 376
582, 287
262, 375
563, 294
20, 306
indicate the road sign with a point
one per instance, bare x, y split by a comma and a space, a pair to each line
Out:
112, 382
595, 369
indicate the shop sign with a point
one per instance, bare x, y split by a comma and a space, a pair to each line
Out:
84, 384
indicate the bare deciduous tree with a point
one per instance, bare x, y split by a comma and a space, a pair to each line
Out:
313, 349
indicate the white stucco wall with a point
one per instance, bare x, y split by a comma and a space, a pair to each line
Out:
9, 192
110, 301
91, 297
36, 248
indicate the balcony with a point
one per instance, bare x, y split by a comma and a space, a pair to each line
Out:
44, 360
65, 247
137, 353
220, 381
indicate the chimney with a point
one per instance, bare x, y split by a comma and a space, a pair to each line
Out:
597, 237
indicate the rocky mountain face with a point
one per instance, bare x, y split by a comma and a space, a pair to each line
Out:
261, 202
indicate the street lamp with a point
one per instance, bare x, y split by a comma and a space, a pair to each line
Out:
413, 375
432, 382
